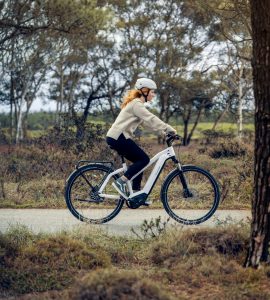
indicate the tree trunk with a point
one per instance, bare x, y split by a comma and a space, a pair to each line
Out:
80, 129
221, 115
19, 130
162, 106
2, 185
186, 119
11, 124
81, 121
194, 125
260, 228
110, 99
185, 132
11, 106
167, 107
12, 94
23, 103
15, 119
240, 103
25, 125
25, 118
60, 108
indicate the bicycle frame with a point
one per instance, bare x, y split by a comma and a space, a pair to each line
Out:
160, 159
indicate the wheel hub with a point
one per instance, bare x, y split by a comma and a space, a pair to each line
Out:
94, 195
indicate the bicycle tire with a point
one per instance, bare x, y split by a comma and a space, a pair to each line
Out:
167, 202
69, 200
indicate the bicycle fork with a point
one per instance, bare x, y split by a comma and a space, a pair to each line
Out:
186, 192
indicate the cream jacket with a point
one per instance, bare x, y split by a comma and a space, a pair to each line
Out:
133, 115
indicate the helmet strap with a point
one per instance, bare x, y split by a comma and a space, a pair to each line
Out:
145, 95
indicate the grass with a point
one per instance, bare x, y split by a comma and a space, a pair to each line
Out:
34, 175
222, 126
38, 193
175, 264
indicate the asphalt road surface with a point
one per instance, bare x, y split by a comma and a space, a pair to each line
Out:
55, 220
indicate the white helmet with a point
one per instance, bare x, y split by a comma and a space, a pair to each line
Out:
145, 83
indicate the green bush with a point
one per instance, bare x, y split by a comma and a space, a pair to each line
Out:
114, 284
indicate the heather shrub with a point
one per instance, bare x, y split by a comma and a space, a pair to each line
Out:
226, 148
178, 245
211, 136
49, 263
112, 284
235, 179
4, 138
33, 173
69, 141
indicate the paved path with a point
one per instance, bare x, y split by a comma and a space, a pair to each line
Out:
53, 220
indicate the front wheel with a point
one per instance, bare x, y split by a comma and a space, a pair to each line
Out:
190, 196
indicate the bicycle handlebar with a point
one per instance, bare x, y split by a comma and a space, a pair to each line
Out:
172, 137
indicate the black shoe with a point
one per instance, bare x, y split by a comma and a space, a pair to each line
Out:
140, 199
121, 186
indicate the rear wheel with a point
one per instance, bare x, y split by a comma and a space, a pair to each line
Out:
195, 204
82, 198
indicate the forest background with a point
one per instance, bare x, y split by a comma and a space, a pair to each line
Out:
82, 56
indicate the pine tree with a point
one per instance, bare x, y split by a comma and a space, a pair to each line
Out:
260, 228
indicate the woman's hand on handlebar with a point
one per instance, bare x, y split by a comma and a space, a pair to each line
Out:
172, 135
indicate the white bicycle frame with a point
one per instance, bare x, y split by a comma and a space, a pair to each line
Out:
160, 159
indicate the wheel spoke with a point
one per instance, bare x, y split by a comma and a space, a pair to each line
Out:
87, 181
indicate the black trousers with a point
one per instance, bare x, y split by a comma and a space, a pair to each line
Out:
131, 151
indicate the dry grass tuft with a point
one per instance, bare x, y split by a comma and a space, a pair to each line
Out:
169, 248
116, 284
49, 263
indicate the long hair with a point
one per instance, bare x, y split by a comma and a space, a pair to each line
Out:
131, 95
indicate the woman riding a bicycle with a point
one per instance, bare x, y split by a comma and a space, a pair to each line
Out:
96, 192
119, 137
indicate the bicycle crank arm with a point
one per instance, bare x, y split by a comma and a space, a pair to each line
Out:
109, 196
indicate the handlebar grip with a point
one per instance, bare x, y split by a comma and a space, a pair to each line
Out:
174, 136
